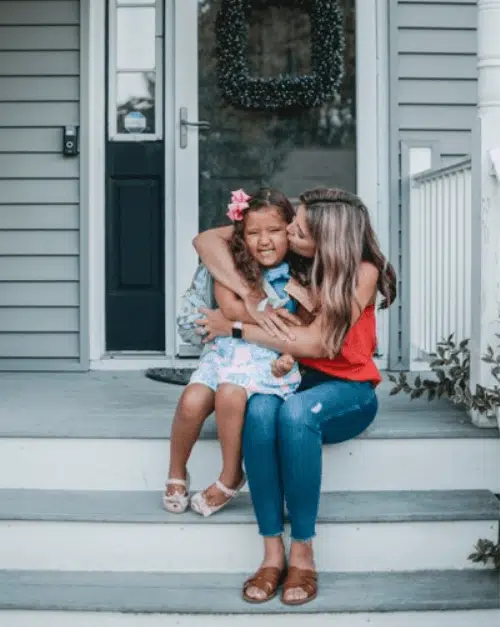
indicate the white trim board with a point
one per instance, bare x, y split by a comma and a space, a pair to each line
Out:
93, 153
372, 156
141, 362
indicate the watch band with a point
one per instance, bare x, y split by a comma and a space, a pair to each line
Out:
237, 330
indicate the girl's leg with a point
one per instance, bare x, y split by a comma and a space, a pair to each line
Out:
230, 405
264, 478
195, 405
333, 411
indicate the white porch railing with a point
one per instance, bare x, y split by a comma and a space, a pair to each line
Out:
440, 253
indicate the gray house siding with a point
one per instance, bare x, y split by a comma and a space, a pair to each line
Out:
433, 99
436, 88
39, 188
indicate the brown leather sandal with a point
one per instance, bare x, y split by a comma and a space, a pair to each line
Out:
268, 579
306, 580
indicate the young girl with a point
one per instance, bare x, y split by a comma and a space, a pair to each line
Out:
231, 369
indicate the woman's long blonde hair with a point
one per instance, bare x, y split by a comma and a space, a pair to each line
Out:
340, 225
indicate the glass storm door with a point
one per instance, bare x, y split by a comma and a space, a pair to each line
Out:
220, 148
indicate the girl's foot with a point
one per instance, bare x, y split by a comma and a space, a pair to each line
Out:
261, 588
176, 495
217, 496
302, 586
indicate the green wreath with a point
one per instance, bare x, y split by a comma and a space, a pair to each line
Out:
242, 90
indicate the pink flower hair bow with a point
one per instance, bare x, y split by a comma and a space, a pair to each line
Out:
237, 206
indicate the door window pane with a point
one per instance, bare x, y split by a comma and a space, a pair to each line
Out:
135, 103
136, 93
135, 38
291, 151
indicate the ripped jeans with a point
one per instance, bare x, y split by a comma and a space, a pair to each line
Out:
282, 447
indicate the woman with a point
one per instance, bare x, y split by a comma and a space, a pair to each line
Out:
336, 400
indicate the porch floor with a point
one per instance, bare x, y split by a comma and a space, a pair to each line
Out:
128, 405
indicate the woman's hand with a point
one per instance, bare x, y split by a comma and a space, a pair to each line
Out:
271, 320
214, 324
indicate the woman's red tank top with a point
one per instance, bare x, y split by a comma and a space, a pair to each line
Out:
355, 360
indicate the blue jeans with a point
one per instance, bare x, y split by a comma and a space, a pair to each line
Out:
282, 446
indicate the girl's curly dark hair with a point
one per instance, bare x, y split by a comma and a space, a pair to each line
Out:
300, 268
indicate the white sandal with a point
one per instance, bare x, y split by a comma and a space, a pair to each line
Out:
200, 505
177, 503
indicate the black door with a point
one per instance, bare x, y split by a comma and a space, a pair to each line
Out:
135, 178
135, 293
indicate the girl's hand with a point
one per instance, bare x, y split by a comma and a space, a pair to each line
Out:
215, 324
282, 366
271, 320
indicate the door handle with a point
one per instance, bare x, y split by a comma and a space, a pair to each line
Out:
202, 125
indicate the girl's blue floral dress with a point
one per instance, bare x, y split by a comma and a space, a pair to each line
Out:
229, 360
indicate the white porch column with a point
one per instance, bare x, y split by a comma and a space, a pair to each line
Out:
486, 199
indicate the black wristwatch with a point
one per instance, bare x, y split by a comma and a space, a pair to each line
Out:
237, 331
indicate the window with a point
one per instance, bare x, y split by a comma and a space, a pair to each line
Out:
135, 41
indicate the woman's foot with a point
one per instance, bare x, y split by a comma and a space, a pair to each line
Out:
217, 495
274, 557
176, 495
303, 571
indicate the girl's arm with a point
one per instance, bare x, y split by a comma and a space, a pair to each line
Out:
231, 304
213, 248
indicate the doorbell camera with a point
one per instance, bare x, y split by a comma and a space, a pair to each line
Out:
70, 141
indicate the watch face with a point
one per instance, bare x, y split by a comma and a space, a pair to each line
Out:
237, 333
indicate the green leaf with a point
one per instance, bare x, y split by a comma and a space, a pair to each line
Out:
436, 363
441, 375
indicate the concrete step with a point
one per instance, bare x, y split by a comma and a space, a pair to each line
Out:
141, 464
129, 531
219, 593
127, 405
456, 618
122, 422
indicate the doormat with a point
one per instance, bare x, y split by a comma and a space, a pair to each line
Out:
178, 376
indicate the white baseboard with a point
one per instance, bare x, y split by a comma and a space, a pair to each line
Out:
141, 362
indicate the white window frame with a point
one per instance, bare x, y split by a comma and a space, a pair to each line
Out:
372, 162
113, 71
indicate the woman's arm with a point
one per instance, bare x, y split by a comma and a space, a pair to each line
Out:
231, 304
306, 340
366, 291
213, 248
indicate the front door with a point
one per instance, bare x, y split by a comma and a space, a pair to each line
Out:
242, 146
135, 178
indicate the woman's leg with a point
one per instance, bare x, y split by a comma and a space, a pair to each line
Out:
262, 464
195, 405
329, 412
230, 405
264, 478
